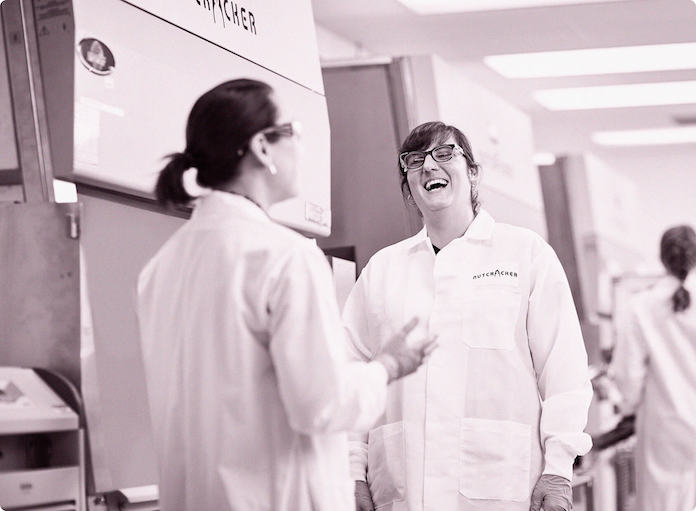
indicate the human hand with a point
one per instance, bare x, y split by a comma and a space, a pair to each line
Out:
400, 357
552, 492
363, 497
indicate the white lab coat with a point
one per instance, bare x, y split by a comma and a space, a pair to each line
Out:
654, 366
505, 396
249, 384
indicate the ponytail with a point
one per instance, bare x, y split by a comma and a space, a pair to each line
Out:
169, 189
218, 130
678, 254
681, 299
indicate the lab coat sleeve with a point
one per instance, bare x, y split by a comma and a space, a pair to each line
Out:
629, 361
560, 362
322, 391
357, 446
356, 318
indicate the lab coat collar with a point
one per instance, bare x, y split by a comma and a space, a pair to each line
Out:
480, 229
217, 202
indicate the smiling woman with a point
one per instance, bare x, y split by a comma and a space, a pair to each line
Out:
437, 166
496, 418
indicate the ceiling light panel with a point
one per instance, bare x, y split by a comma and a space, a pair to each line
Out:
595, 61
618, 96
648, 137
450, 6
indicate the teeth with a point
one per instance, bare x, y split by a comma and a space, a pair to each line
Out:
435, 183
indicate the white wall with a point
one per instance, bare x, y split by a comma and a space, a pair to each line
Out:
613, 203
334, 47
666, 191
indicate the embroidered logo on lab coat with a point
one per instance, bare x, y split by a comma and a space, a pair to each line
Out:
497, 273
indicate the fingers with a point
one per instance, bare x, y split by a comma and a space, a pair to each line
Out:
430, 346
554, 503
363, 498
408, 327
537, 497
550, 502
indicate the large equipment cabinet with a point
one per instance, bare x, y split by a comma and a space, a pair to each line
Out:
97, 93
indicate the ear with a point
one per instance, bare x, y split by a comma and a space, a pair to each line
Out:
474, 174
258, 146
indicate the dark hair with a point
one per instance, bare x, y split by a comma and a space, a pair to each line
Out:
420, 139
218, 130
678, 254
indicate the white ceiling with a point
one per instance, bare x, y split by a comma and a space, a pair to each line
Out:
386, 27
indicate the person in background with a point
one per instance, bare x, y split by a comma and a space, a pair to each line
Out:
654, 367
495, 418
249, 386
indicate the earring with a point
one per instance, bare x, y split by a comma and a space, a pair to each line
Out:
272, 169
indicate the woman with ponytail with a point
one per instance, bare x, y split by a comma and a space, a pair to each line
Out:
678, 254
654, 366
249, 386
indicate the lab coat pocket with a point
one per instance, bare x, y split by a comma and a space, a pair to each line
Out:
495, 460
386, 465
490, 317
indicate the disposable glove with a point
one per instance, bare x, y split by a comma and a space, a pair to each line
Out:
552, 493
401, 357
363, 497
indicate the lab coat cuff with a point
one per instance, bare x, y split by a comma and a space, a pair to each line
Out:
358, 460
559, 460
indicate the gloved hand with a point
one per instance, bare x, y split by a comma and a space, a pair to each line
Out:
552, 493
401, 357
363, 497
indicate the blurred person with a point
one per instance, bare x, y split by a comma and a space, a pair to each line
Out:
249, 386
495, 418
654, 368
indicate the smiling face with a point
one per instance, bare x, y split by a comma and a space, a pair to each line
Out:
440, 185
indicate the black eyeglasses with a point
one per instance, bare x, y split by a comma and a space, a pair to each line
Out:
288, 129
414, 160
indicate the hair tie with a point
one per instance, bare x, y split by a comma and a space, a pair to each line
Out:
188, 160
189, 180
